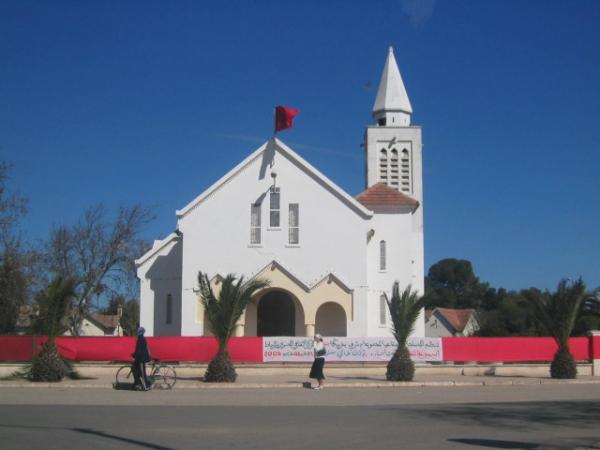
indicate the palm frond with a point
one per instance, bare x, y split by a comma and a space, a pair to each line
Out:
404, 310
53, 305
558, 311
223, 311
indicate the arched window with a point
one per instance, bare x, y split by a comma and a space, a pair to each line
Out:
382, 256
169, 311
383, 166
405, 171
382, 310
394, 168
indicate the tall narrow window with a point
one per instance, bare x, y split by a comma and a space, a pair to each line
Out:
169, 311
294, 224
382, 310
255, 223
405, 170
274, 199
382, 257
383, 166
394, 168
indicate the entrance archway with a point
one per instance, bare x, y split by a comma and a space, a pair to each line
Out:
331, 320
276, 315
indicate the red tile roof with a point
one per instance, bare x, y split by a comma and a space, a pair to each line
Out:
458, 318
106, 320
381, 194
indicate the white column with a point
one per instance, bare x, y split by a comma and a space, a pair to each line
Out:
309, 329
239, 330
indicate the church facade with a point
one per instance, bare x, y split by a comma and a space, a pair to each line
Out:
330, 257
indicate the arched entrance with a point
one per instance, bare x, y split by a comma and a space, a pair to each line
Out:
331, 320
276, 315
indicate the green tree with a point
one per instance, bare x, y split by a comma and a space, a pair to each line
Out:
404, 310
589, 316
557, 312
12, 206
53, 303
223, 311
130, 313
13, 288
99, 254
451, 283
509, 315
13, 273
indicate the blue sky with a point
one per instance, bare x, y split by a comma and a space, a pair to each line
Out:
148, 101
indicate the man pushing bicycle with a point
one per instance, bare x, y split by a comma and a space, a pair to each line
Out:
141, 356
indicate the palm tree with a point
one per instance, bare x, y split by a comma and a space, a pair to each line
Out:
223, 312
404, 309
557, 313
53, 302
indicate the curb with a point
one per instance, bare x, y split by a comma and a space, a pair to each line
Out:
391, 384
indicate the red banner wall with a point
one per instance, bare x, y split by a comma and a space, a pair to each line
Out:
16, 348
165, 348
249, 349
194, 349
512, 349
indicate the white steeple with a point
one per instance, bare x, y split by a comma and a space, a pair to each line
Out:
392, 106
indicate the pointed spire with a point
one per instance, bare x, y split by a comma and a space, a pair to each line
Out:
391, 96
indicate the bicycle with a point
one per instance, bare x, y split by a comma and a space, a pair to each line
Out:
162, 376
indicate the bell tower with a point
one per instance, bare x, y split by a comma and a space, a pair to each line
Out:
392, 145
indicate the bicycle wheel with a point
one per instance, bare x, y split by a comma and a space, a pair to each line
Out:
164, 377
124, 377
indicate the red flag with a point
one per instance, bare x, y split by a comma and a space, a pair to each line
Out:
284, 117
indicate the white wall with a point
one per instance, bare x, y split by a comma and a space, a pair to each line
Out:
403, 266
437, 327
217, 235
159, 276
403, 233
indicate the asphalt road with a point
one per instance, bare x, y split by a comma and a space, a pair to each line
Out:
498, 417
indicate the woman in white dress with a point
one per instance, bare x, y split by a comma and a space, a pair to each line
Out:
316, 371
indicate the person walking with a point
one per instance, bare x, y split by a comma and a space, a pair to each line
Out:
141, 356
316, 371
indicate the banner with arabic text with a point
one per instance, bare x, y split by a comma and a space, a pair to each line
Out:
299, 349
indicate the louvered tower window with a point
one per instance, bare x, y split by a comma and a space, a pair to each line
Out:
405, 183
383, 166
394, 168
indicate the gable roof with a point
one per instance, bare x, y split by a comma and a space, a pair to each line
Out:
380, 194
107, 321
287, 151
457, 318
157, 246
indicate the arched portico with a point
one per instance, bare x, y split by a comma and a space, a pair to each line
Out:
330, 320
276, 315
286, 290
274, 312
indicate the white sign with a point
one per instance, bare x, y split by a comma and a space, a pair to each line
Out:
299, 349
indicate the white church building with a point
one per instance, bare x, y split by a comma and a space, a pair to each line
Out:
329, 256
